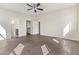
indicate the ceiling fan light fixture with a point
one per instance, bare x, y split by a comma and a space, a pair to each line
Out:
35, 7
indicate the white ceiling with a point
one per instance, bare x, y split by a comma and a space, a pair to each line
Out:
22, 7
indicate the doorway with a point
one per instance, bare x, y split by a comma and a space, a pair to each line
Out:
32, 27
28, 27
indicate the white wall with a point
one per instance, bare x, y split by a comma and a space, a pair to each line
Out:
22, 27
35, 27
19, 18
54, 23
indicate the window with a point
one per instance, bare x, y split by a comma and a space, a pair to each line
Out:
2, 33
66, 29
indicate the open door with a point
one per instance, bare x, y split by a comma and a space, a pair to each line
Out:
39, 27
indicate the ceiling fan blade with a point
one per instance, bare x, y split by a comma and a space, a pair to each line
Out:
38, 4
40, 9
29, 5
29, 9
35, 11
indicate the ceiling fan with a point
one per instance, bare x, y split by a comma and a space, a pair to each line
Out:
35, 7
